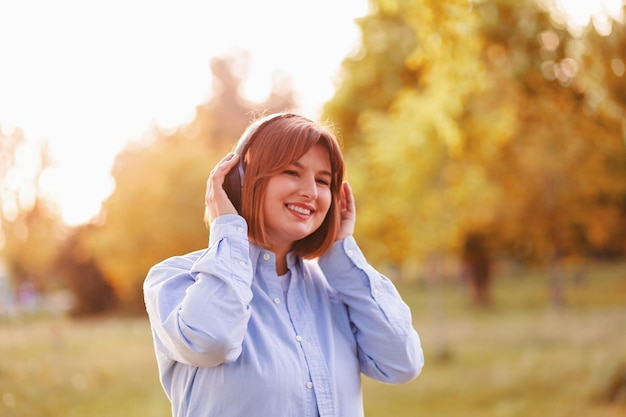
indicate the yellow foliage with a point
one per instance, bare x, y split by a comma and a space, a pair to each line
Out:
156, 211
458, 130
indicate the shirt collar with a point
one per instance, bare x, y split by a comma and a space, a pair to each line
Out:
293, 262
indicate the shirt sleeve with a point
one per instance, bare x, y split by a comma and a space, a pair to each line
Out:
199, 304
389, 347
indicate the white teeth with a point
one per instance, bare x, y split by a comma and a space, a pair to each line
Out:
297, 209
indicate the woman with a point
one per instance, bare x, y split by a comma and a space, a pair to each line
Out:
281, 313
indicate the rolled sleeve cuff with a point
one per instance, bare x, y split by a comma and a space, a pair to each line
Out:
228, 255
342, 257
342, 260
228, 226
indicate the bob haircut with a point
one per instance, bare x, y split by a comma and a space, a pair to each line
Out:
273, 146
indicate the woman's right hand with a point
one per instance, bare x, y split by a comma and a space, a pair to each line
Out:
216, 200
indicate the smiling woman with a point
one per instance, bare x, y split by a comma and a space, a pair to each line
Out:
89, 77
281, 303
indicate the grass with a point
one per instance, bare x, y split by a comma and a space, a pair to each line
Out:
58, 367
517, 358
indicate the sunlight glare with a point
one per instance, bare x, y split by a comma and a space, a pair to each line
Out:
579, 13
91, 76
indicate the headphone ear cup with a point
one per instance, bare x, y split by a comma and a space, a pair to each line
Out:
233, 182
232, 186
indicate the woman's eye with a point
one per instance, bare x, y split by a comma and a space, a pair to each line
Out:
323, 181
291, 172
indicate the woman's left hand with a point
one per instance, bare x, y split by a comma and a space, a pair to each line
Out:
348, 212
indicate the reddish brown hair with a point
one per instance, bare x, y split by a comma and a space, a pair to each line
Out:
273, 146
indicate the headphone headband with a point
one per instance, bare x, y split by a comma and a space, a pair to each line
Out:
249, 132
233, 183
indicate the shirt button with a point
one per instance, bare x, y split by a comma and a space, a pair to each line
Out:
309, 385
266, 256
350, 252
242, 263
240, 229
376, 291
276, 300
299, 338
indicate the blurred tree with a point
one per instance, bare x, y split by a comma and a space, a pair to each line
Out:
9, 145
30, 228
155, 212
397, 109
479, 122
477, 266
227, 113
560, 156
551, 158
92, 294
227, 103
157, 208
377, 72
603, 79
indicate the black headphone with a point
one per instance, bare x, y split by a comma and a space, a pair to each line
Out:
233, 182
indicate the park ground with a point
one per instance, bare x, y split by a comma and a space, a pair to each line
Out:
518, 357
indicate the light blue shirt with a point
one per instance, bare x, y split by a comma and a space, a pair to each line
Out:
228, 343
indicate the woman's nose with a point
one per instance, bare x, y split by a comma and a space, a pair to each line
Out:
308, 187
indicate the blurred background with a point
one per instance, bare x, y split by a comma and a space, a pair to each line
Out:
485, 143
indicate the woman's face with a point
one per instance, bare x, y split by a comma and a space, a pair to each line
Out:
298, 198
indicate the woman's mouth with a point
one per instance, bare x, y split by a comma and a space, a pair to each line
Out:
300, 210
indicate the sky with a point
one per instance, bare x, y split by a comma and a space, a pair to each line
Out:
89, 76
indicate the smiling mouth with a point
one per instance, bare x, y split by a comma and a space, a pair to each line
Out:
299, 210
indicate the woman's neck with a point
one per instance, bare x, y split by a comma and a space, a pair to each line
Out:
281, 258
281, 265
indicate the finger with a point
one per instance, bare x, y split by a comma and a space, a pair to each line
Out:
221, 169
225, 163
348, 197
229, 159
218, 173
